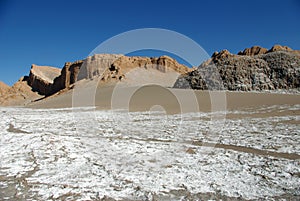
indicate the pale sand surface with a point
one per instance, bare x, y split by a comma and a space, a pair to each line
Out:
171, 100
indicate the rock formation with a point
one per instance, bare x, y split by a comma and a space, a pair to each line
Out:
253, 69
41, 78
68, 76
106, 67
97, 65
255, 50
280, 48
163, 64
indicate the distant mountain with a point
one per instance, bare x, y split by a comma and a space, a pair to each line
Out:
255, 68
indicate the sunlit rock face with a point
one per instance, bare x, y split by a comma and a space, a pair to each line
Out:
41, 78
253, 69
105, 67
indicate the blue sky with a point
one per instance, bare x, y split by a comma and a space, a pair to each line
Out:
51, 32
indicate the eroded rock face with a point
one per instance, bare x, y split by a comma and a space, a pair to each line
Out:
162, 64
106, 67
137, 71
96, 65
114, 67
254, 69
41, 78
68, 76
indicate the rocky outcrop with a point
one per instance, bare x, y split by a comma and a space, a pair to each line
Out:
112, 66
97, 65
284, 69
255, 50
253, 69
68, 76
41, 78
137, 71
106, 67
162, 64
276, 48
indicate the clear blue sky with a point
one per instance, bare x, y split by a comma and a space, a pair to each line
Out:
51, 32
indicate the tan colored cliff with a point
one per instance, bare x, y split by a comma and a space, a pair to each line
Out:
48, 80
41, 78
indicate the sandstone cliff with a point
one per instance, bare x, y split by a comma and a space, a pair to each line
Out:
114, 66
163, 64
41, 78
105, 67
252, 69
68, 76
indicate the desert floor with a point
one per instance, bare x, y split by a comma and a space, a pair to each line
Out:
149, 143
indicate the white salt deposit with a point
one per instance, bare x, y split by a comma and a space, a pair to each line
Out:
86, 154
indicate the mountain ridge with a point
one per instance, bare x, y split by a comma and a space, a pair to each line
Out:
47, 80
255, 68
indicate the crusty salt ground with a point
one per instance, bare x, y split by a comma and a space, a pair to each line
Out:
88, 154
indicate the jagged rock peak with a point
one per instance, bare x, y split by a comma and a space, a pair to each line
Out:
255, 50
280, 48
218, 56
253, 69
252, 51
222, 54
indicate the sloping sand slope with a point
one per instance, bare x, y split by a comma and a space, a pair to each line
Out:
172, 100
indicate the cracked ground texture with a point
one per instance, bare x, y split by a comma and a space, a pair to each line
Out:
87, 154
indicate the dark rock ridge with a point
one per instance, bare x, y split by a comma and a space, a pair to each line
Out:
49, 80
255, 68
68, 76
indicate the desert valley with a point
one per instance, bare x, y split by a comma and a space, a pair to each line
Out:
117, 127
